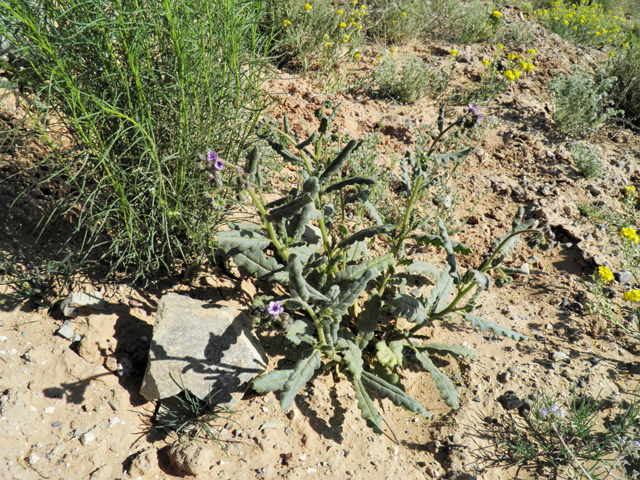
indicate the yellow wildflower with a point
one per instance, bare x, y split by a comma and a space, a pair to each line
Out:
340, 12
392, 48
287, 23
346, 38
630, 234
486, 63
517, 73
404, 14
453, 52
605, 274
510, 75
496, 14
343, 25
328, 45
632, 296
629, 189
307, 7
531, 51
357, 56
500, 46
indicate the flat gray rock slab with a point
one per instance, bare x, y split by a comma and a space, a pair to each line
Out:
208, 348
76, 302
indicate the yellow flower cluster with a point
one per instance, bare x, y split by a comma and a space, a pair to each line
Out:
496, 14
630, 234
287, 23
584, 22
453, 52
629, 189
307, 7
605, 274
632, 296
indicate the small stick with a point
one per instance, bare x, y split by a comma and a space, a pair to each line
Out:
555, 429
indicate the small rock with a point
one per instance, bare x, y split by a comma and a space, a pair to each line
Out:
525, 268
56, 424
477, 399
66, 330
76, 338
72, 305
49, 409
504, 377
510, 400
595, 191
114, 405
433, 446
191, 458
87, 438
623, 277
33, 459
454, 438
144, 464
415, 292
559, 356
78, 432
550, 154
555, 365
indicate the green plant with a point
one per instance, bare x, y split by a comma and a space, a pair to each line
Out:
581, 105
571, 436
327, 275
189, 417
500, 72
400, 21
408, 82
625, 91
586, 159
129, 92
474, 23
585, 23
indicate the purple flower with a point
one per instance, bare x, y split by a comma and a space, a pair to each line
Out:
557, 411
544, 413
636, 444
212, 156
218, 165
275, 309
474, 109
211, 176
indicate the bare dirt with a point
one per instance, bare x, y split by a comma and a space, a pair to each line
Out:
52, 392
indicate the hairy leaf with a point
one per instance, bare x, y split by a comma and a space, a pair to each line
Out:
242, 240
252, 227
443, 349
307, 142
451, 256
302, 373
373, 212
411, 308
375, 265
256, 262
393, 393
348, 182
297, 283
315, 261
288, 210
251, 166
486, 325
337, 164
517, 226
272, 381
350, 290
437, 241
303, 252
367, 409
423, 268
301, 331
293, 193
352, 355
389, 357
445, 158
447, 390
299, 222
440, 293
367, 321
356, 251
366, 233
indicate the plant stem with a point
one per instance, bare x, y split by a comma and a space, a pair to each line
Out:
555, 429
268, 225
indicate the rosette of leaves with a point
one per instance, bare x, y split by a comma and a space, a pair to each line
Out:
337, 285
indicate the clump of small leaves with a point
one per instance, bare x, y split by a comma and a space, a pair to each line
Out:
190, 418
581, 104
586, 159
572, 436
346, 282
407, 82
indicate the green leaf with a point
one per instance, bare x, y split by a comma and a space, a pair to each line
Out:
373, 212
437, 241
307, 142
391, 355
447, 390
256, 262
375, 265
366, 233
367, 409
451, 256
315, 261
393, 393
411, 308
251, 165
445, 158
443, 348
367, 321
293, 193
348, 182
302, 373
423, 268
356, 251
297, 283
486, 325
337, 164
481, 279
299, 222
242, 240
288, 210
517, 225
252, 227
272, 381
439, 298
352, 355
301, 331
350, 290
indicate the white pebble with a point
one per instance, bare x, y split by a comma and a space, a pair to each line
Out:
113, 421
49, 409
87, 438
33, 459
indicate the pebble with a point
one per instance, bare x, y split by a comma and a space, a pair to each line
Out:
623, 277
66, 330
595, 191
78, 432
113, 421
477, 399
56, 424
3, 338
87, 438
525, 268
33, 459
49, 409
76, 339
555, 366
433, 446
114, 405
550, 154
454, 438
559, 356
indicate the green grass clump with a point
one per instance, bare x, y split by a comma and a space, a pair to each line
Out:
135, 89
586, 159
